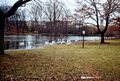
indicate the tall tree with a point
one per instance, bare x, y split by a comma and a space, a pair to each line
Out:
54, 11
36, 15
3, 16
51, 11
101, 12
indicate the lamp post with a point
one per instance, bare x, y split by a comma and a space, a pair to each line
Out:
83, 32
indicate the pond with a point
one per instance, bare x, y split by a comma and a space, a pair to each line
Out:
33, 41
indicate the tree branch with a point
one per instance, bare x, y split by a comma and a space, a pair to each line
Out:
15, 7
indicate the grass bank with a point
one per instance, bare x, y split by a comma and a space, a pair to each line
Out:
64, 63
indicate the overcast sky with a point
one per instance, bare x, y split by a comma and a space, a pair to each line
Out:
70, 4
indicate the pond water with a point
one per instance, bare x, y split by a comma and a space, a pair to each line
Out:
33, 41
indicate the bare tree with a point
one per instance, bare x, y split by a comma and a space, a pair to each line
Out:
36, 14
50, 11
54, 10
100, 12
22, 21
5, 15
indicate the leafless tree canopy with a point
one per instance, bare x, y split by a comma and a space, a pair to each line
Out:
49, 10
100, 12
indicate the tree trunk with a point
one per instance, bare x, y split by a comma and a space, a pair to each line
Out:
102, 38
2, 21
3, 16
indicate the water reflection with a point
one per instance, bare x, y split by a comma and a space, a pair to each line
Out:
33, 41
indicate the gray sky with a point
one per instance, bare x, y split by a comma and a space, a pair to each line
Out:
70, 4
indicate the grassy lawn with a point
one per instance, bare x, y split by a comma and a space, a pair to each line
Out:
63, 63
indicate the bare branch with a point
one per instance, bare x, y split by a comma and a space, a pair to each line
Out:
15, 7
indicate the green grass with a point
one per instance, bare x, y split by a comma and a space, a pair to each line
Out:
64, 62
